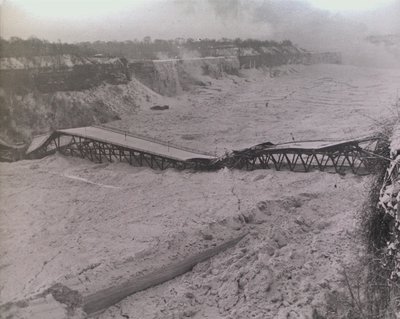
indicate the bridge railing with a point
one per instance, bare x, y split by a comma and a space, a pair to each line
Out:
154, 140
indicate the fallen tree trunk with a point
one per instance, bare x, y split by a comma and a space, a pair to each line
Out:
99, 301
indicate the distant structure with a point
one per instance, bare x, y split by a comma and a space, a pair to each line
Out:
322, 57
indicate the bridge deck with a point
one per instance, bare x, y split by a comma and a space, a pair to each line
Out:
314, 145
38, 142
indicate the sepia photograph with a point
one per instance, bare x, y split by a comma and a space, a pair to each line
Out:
204, 159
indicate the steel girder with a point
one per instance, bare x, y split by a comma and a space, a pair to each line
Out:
338, 160
99, 152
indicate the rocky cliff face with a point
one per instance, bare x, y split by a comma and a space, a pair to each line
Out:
270, 57
34, 113
39, 94
172, 77
61, 73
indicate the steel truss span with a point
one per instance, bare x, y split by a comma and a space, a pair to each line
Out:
99, 151
357, 156
99, 145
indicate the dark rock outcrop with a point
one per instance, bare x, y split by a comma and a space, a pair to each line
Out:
61, 73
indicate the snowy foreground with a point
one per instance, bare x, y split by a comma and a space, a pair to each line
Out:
91, 226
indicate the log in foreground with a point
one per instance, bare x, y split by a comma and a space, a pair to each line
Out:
103, 299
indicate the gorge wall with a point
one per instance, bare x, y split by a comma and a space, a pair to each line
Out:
42, 93
172, 77
61, 73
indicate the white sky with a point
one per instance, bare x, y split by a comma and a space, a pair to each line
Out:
77, 9
73, 9
349, 5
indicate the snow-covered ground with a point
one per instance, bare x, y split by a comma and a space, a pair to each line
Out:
91, 226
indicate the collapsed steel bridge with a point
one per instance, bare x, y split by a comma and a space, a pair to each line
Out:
101, 144
339, 156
